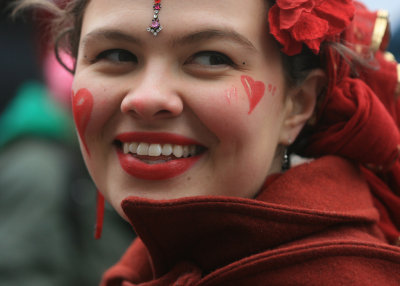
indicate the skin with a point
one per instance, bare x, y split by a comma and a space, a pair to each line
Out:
169, 84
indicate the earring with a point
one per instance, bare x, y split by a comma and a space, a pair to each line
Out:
155, 26
99, 215
286, 157
286, 160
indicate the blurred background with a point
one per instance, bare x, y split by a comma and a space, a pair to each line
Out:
47, 200
393, 7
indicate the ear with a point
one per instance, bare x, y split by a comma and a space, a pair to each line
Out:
300, 104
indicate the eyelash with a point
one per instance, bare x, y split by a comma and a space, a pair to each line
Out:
221, 59
225, 60
104, 54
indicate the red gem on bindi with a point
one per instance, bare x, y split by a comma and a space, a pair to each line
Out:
155, 26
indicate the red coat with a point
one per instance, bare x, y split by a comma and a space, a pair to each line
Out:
314, 225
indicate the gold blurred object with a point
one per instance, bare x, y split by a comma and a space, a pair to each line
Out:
389, 57
380, 29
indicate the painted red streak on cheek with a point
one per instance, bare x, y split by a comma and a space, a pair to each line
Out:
82, 106
231, 94
255, 91
272, 89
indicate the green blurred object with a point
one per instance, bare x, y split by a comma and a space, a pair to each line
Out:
34, 112
47, 200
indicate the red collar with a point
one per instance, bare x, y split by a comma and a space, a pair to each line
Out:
212, 232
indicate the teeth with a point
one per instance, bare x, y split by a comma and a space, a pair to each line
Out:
167, 149
143, 149
155, 150
178, 151
133, 147
185, 151
126, 148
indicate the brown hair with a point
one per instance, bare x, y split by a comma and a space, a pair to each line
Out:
63, 23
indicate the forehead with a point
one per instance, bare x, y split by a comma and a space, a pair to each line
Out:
178, 16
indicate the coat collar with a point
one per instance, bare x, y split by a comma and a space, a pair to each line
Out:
212, 232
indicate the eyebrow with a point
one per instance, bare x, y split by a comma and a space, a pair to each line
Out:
188, 39
109, 34
211, 34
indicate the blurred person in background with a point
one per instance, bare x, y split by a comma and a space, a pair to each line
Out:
46, 198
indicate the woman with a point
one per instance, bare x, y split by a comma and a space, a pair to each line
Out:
185, 111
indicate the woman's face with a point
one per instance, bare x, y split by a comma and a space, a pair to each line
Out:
209, 88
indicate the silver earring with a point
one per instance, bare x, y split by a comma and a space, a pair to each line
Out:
286, 161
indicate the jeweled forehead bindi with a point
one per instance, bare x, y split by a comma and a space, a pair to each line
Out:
155, 26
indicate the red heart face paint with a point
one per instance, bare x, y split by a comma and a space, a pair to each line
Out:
255, 91
82, 106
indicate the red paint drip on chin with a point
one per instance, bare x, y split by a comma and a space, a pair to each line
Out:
82, 106
255, 91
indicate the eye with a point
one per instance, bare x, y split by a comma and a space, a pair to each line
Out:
117, 56
209, 58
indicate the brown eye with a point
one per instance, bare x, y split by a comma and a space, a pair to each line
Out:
117, 56
211, 59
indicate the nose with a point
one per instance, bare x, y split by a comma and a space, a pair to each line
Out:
153, 98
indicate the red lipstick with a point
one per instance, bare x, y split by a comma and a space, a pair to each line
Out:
161, 171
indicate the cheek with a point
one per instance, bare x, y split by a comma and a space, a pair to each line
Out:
235, 106
254, 90
82, 107
94, 104
245, 106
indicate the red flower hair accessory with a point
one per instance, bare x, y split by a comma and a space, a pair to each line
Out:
297, 22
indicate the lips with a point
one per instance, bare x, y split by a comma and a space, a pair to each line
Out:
151, 166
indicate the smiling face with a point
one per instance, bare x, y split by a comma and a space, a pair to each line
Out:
209, 88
